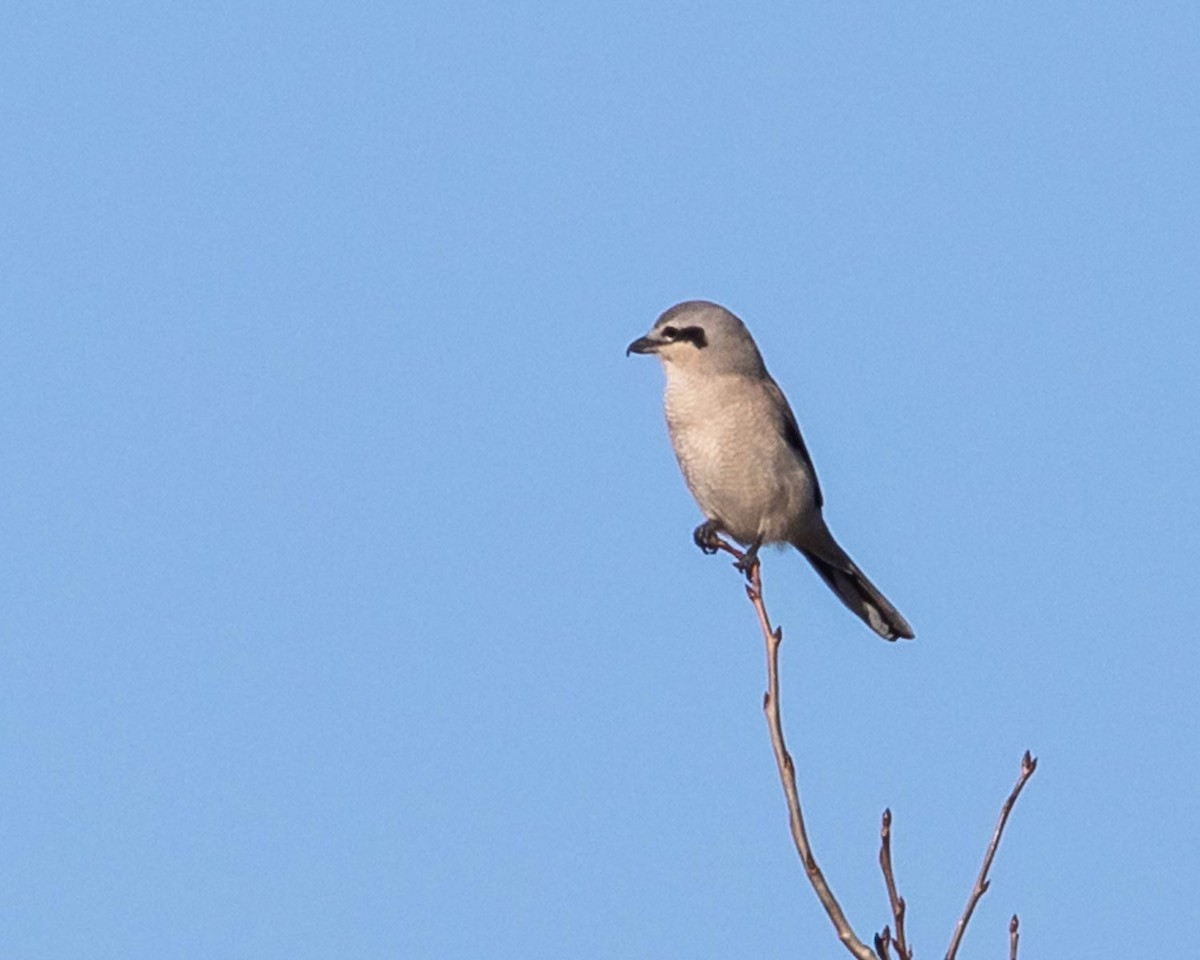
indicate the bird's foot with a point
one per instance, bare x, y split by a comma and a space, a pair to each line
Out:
749, 561
706, 537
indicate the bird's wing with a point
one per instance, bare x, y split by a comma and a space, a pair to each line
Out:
791, 435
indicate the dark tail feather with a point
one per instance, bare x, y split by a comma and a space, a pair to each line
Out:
861, 596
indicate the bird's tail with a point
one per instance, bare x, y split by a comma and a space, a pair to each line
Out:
856, 591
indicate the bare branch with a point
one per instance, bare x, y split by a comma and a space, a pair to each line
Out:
889, 878
787, 768
884, 941
1028, 765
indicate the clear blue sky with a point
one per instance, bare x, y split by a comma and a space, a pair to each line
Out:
348, 598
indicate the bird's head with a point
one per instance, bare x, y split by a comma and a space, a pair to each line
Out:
701, 336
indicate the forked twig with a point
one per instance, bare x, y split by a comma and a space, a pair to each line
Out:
889, 878
1028, 765
787, 768
787, 774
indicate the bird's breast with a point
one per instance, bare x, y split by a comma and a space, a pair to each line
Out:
728, 440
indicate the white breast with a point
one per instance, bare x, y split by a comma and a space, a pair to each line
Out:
728, 438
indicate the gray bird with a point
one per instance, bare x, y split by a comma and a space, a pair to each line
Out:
742, 455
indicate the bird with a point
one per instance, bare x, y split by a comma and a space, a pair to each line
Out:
742, 455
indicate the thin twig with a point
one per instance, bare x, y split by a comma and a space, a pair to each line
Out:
883, 943
787, 768
889, 878
1013, 936
1028, 765
729, 548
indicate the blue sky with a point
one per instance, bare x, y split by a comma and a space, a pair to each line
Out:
349, 603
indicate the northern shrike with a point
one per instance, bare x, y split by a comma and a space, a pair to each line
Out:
742, 455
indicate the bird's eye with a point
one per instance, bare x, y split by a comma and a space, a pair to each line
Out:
670, 333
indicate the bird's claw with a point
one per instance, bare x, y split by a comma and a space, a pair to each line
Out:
749, 561
706, 537
746, 565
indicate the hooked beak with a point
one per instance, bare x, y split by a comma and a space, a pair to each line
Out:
643, 345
